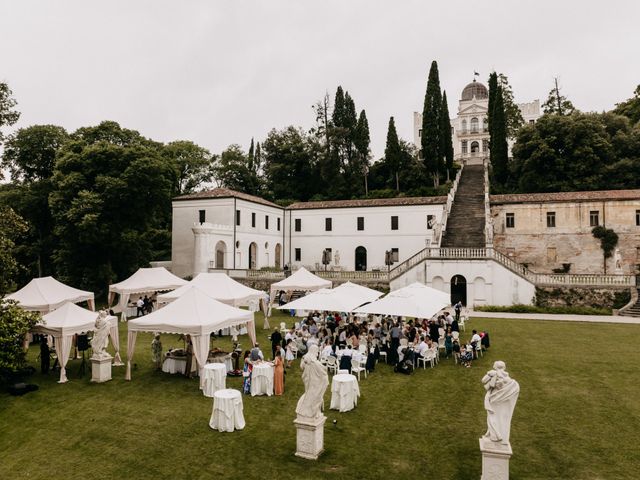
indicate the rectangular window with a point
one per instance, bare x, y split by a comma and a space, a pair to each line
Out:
253, 219
395, 255
394, 222
266, 222
202, 215
510, 220
420, 133
594, 218
360, 223
237, 217
430, 221
327, 224
638, 218
278, 223
531, 122
551, 219
551, 254
298, 225
464, 146
298, 254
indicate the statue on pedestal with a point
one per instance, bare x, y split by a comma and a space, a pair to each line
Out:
617, 260
100, 338
499, 401
316, 380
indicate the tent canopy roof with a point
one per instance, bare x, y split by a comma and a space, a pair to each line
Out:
193, 313
46, 294
219, 286
301, 279
148, 280
69, 319
415, 300
343, 298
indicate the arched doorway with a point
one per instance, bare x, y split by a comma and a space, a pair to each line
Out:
361, 259
458, 290
221, 253
475, 147
253, 256
278, 254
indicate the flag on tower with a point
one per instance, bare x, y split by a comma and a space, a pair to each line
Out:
476, 74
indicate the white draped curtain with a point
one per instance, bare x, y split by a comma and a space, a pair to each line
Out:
201, 351
63, 349
131, 345
115, 340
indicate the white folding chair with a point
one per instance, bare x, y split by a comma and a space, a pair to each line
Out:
332, 364
283, 326
441, 343
429, 358
455, 336
383, 354
461, 323
356, 367
404, 342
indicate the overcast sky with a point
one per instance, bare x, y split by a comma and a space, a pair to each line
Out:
221, 72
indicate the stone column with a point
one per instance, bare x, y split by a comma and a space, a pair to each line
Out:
201, 254
310, 437
495, 460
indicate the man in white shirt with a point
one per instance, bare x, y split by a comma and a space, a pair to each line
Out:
139, 307
475, 341
422, 348
449, 318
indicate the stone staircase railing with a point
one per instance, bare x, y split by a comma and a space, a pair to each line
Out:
488, 220
540, 279
441, 227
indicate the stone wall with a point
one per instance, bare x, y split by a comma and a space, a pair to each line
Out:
582, 297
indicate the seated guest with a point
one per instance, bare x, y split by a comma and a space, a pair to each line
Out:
475, 340
327, 351
345, 359
466, 355
449, 318
422, 348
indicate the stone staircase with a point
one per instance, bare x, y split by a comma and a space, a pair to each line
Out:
634, 309
465, 224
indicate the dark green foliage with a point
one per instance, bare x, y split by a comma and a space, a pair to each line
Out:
193, 165
576, 310
15, 323
493, 88
631, 107
608, 241
392, 153
557, 103
499, 153
237, 170
12, 227
512, 114
8, 114
431, 141
445, 132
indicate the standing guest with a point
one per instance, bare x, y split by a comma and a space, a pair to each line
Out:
246, 373
45, 355
395, 332
458, 308
449, 318
189, 365
434, 334
278, 372
276, 339
256, 353
146, 305
289, 356
156, 351
448, 342
139, 307
454, 326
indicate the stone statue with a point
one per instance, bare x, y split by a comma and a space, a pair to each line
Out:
499, 401
617, 259
100, 338
336, 258
316, 380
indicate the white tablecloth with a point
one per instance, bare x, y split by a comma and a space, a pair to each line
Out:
226, 360
227, 411
215, 378
262, 379
344, 392
174, 365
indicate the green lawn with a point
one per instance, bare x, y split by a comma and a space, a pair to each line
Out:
578, 417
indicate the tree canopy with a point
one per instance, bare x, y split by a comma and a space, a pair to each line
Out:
8, 114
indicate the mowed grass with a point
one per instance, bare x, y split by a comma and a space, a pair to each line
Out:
578, 417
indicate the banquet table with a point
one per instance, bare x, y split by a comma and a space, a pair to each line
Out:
227, 413
214, 378
344, 392
222, 358
174, 364
262, 379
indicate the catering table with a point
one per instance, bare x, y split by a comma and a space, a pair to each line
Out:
262, 379
344, 392
222, 357
174, 364
227, 411
214, 378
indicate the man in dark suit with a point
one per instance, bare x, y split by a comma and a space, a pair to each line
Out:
276, 339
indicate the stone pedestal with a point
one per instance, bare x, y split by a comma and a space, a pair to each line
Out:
101, 369
310, 437
495, 460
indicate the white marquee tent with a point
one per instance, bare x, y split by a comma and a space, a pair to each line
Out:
415, 300
145, 280
344, 298
195, 313
69, 320
219, 286
301, 279
46, 294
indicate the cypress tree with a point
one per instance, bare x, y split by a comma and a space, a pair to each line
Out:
337, 117
493, 88
393, 152
445, 132
431, 118
250, 155
499, 153
361, 141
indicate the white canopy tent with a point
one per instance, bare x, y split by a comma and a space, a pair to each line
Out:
301, 279
46, 294
145, 280
219, 286
344, 298
69, 320
194, 313
415, 300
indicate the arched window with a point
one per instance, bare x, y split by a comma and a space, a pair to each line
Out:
485, 124
475, 147
474, 125
464, 126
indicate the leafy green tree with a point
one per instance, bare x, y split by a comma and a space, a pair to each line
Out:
608, 241
512, 113
12, 226
499, 153
30, 153
445, 132
15, 323
236, 171
111, 203
431, 141
557, 103
8, 114
631, 107
193, 165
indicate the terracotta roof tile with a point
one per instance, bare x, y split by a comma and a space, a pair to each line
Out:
226, 193
600, 195
370, 202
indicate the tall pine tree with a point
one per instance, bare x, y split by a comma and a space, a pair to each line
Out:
361, 141
499, 153
431, 125
445, 132
393, 153
493, 88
